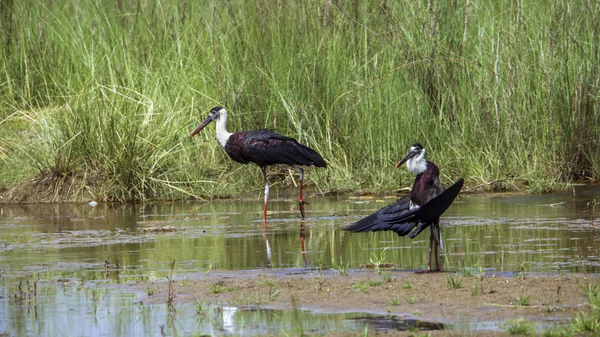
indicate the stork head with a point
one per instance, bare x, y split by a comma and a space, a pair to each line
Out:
415, 158
215, 113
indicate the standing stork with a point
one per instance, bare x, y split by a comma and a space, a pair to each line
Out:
422, 208
264, 148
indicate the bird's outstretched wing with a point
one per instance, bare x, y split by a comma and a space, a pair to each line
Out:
398, 217
382, 219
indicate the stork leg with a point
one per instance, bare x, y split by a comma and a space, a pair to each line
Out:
434, 242
301, 202
264, 172
431, 245
303, 250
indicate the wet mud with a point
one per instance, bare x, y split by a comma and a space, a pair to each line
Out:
402, 301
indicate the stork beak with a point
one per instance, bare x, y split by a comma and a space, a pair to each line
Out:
409, 155
206, 121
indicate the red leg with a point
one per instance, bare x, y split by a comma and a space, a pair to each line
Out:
301, 201
264, 171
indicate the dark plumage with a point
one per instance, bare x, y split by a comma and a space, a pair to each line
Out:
427, 201
264, 148
399, 218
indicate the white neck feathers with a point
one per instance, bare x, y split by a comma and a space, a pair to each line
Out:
418, 164
222, 134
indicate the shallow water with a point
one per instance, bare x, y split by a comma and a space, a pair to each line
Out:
70, 250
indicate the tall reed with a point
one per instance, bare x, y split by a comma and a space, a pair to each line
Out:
98, 97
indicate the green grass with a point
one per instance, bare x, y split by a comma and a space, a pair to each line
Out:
454, 281
407, 285
97, 98
523, 301
519, 326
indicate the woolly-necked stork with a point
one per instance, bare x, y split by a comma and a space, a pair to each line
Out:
264, 148
427, 201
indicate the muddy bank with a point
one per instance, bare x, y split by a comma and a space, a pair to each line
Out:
481, 302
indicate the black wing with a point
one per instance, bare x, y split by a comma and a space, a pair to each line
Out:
265, 147
398, 217
380, 220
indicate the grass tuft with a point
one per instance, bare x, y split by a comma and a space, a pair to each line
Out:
519, 326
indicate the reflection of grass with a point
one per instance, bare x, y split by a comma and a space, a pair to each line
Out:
519, 326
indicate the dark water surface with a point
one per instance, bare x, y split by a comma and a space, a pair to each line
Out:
67, 250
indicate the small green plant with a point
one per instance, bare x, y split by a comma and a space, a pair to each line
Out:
522, 270
411, 300
519, 326
273, 294
557, 331
523, 301
593, 293
394, 301
342, 269
407, 285
475, 287
202, 308
386, 278
416, 313
375, 283
467, 272
220, 287
378, 260
360, 285
267, 282
586, 323
454, 281
150, 291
